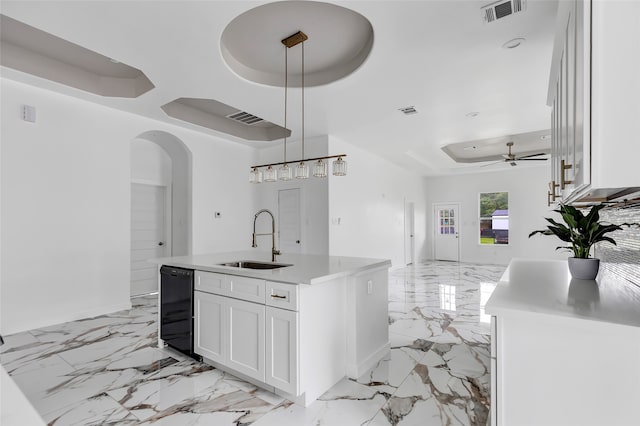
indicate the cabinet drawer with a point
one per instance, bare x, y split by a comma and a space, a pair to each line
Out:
210, 282
281, 295
250, 289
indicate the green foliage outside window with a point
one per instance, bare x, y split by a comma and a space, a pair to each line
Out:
489, 203
492, 201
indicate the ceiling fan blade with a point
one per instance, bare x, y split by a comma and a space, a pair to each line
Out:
531, 159
530, 155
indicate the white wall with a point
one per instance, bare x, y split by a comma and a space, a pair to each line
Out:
314, 196
65, 197
366, 207
527, 188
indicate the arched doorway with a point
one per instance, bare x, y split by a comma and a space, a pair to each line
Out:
160, 204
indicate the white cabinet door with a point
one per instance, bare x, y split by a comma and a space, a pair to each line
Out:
210, 326
246, 330
282, 349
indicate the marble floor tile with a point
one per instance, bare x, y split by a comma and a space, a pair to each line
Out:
109, 370
100, 409
347, 403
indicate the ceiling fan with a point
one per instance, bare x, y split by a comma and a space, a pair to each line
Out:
512, 159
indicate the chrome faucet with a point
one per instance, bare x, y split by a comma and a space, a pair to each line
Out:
274, 252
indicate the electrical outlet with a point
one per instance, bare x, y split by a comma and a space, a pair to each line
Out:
370, 287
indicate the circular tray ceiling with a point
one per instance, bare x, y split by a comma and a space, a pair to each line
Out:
340, 40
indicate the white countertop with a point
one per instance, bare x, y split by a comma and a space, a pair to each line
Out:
305, 269
15, 409
546, 287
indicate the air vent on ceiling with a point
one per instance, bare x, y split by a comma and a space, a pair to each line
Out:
500, 9
408, 110
245, 118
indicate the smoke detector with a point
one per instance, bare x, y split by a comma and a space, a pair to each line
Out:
500, 9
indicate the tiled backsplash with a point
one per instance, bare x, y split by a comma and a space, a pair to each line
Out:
622, 259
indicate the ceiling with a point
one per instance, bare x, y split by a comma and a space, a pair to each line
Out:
436, 56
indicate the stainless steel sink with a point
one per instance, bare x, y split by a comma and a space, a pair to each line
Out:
252, 264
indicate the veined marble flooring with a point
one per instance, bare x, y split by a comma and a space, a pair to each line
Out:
109, 370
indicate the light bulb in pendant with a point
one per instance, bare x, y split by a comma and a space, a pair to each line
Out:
284, 172
255, 176
320, 169
302, 171
339, 167
270, 174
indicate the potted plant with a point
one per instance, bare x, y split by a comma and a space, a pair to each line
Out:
581, 232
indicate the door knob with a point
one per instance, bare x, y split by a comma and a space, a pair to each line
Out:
160, 243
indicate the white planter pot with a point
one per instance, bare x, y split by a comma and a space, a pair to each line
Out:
584, 269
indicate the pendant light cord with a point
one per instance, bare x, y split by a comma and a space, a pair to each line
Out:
286, 74
303, 100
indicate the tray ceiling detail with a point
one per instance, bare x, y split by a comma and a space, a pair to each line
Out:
493, 149
340, 40
30, 50
223, 118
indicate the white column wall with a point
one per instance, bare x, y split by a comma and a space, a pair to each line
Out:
366, 207
527, 188
65, 198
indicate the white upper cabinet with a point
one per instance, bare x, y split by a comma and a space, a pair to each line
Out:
593, 91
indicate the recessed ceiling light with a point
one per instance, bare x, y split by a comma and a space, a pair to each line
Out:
512, 44
473, 114
545, 137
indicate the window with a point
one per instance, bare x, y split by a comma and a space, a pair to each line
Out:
494, 218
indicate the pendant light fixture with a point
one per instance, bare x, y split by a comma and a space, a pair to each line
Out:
339, 167
284, 172
320, 169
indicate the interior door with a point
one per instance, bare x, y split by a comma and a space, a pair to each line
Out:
289, 220
446, 232
148, 232
409, 233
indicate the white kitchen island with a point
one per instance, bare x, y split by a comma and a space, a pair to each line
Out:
295, 330
564, 352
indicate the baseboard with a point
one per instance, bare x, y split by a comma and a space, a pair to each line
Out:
356, 370
73, 316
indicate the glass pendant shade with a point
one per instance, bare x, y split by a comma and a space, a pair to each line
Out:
320, 169
302, 171
339, 167
255, 176
270, 175
284, 172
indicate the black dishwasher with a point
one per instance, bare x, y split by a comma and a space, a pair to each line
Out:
176, 308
